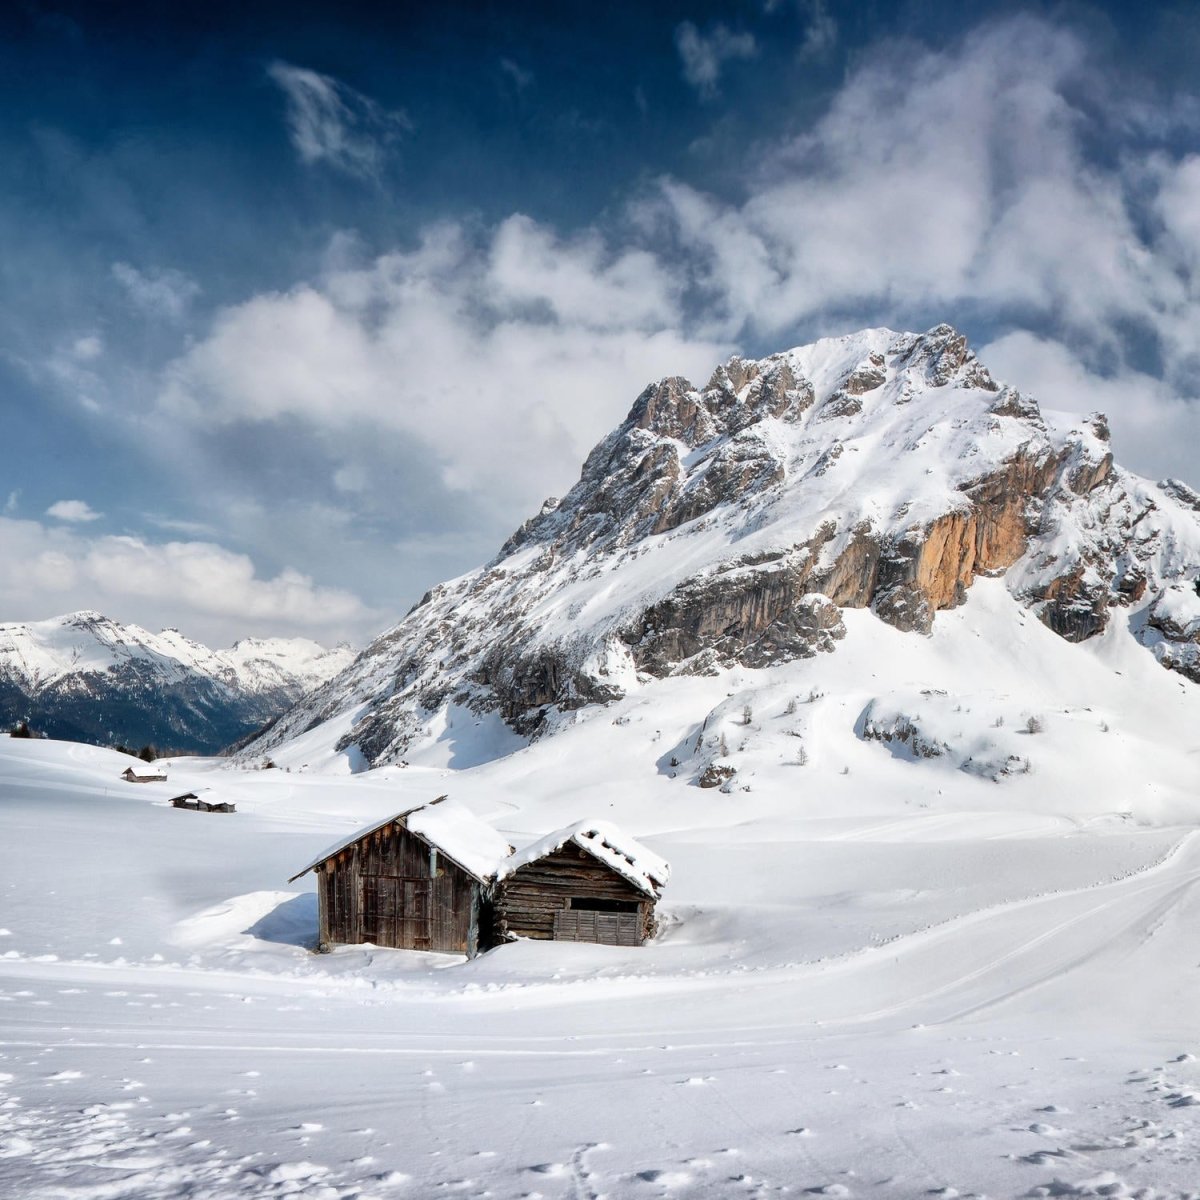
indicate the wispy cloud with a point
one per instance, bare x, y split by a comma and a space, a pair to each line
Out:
704, 55
87, 348
75, 511
162, 292
821, 30
332, 123
521, 78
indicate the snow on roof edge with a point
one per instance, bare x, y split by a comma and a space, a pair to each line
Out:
604, 841
427, 832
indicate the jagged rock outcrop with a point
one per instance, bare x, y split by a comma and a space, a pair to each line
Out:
731, 524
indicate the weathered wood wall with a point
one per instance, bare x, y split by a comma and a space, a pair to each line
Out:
528, 900
393, 889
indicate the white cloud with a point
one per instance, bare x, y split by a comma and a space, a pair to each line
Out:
87, 348
162, 292
214, 580
508, 360
580, 282
952, 184
960, 185
198, 586
329, 122
73, 510
704, 55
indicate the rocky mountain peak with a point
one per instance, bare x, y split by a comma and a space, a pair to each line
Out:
731, 523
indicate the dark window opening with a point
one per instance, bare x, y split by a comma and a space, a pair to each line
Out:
599, 904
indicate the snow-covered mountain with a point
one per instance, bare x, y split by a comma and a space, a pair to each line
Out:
730, 525
83, 677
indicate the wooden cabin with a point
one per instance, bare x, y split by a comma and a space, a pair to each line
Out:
192, 801
420, 880
143, 775
587, 883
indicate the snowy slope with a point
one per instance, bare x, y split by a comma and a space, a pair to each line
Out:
930, 932
736, 524
879, 974
83, 675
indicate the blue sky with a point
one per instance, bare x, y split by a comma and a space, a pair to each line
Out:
304, 307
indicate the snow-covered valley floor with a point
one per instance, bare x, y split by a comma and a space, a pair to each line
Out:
877, 977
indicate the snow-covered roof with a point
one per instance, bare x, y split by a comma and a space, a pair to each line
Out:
145, 772
449, 826
605, 842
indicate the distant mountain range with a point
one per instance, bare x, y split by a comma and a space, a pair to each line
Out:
83, 677
731, 525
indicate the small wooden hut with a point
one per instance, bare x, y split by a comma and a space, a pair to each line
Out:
192, 801
420, 880
587, 883
144, 775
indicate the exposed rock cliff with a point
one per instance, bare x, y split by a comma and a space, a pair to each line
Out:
731, 524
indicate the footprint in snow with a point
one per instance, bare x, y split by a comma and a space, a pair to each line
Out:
1047, 1158
390, 1179
1044, 1130
665, 1178
295, 1172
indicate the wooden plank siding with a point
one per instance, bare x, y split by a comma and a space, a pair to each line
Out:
394, 889
535, 901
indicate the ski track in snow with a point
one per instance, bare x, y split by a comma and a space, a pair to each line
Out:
893, 982
98, 1149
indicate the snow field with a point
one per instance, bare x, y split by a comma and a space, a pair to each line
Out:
897, 981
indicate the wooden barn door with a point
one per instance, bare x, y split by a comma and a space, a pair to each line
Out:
416, 921
396, 912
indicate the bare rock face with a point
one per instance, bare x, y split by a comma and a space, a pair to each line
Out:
1175, 616
732, 524
716, 775
753, 615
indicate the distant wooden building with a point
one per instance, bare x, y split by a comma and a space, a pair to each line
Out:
143, 775
586, 883
192, 801
420, 880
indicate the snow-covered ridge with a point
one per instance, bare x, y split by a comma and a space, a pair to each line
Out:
85, 676
732, 524
35, 654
